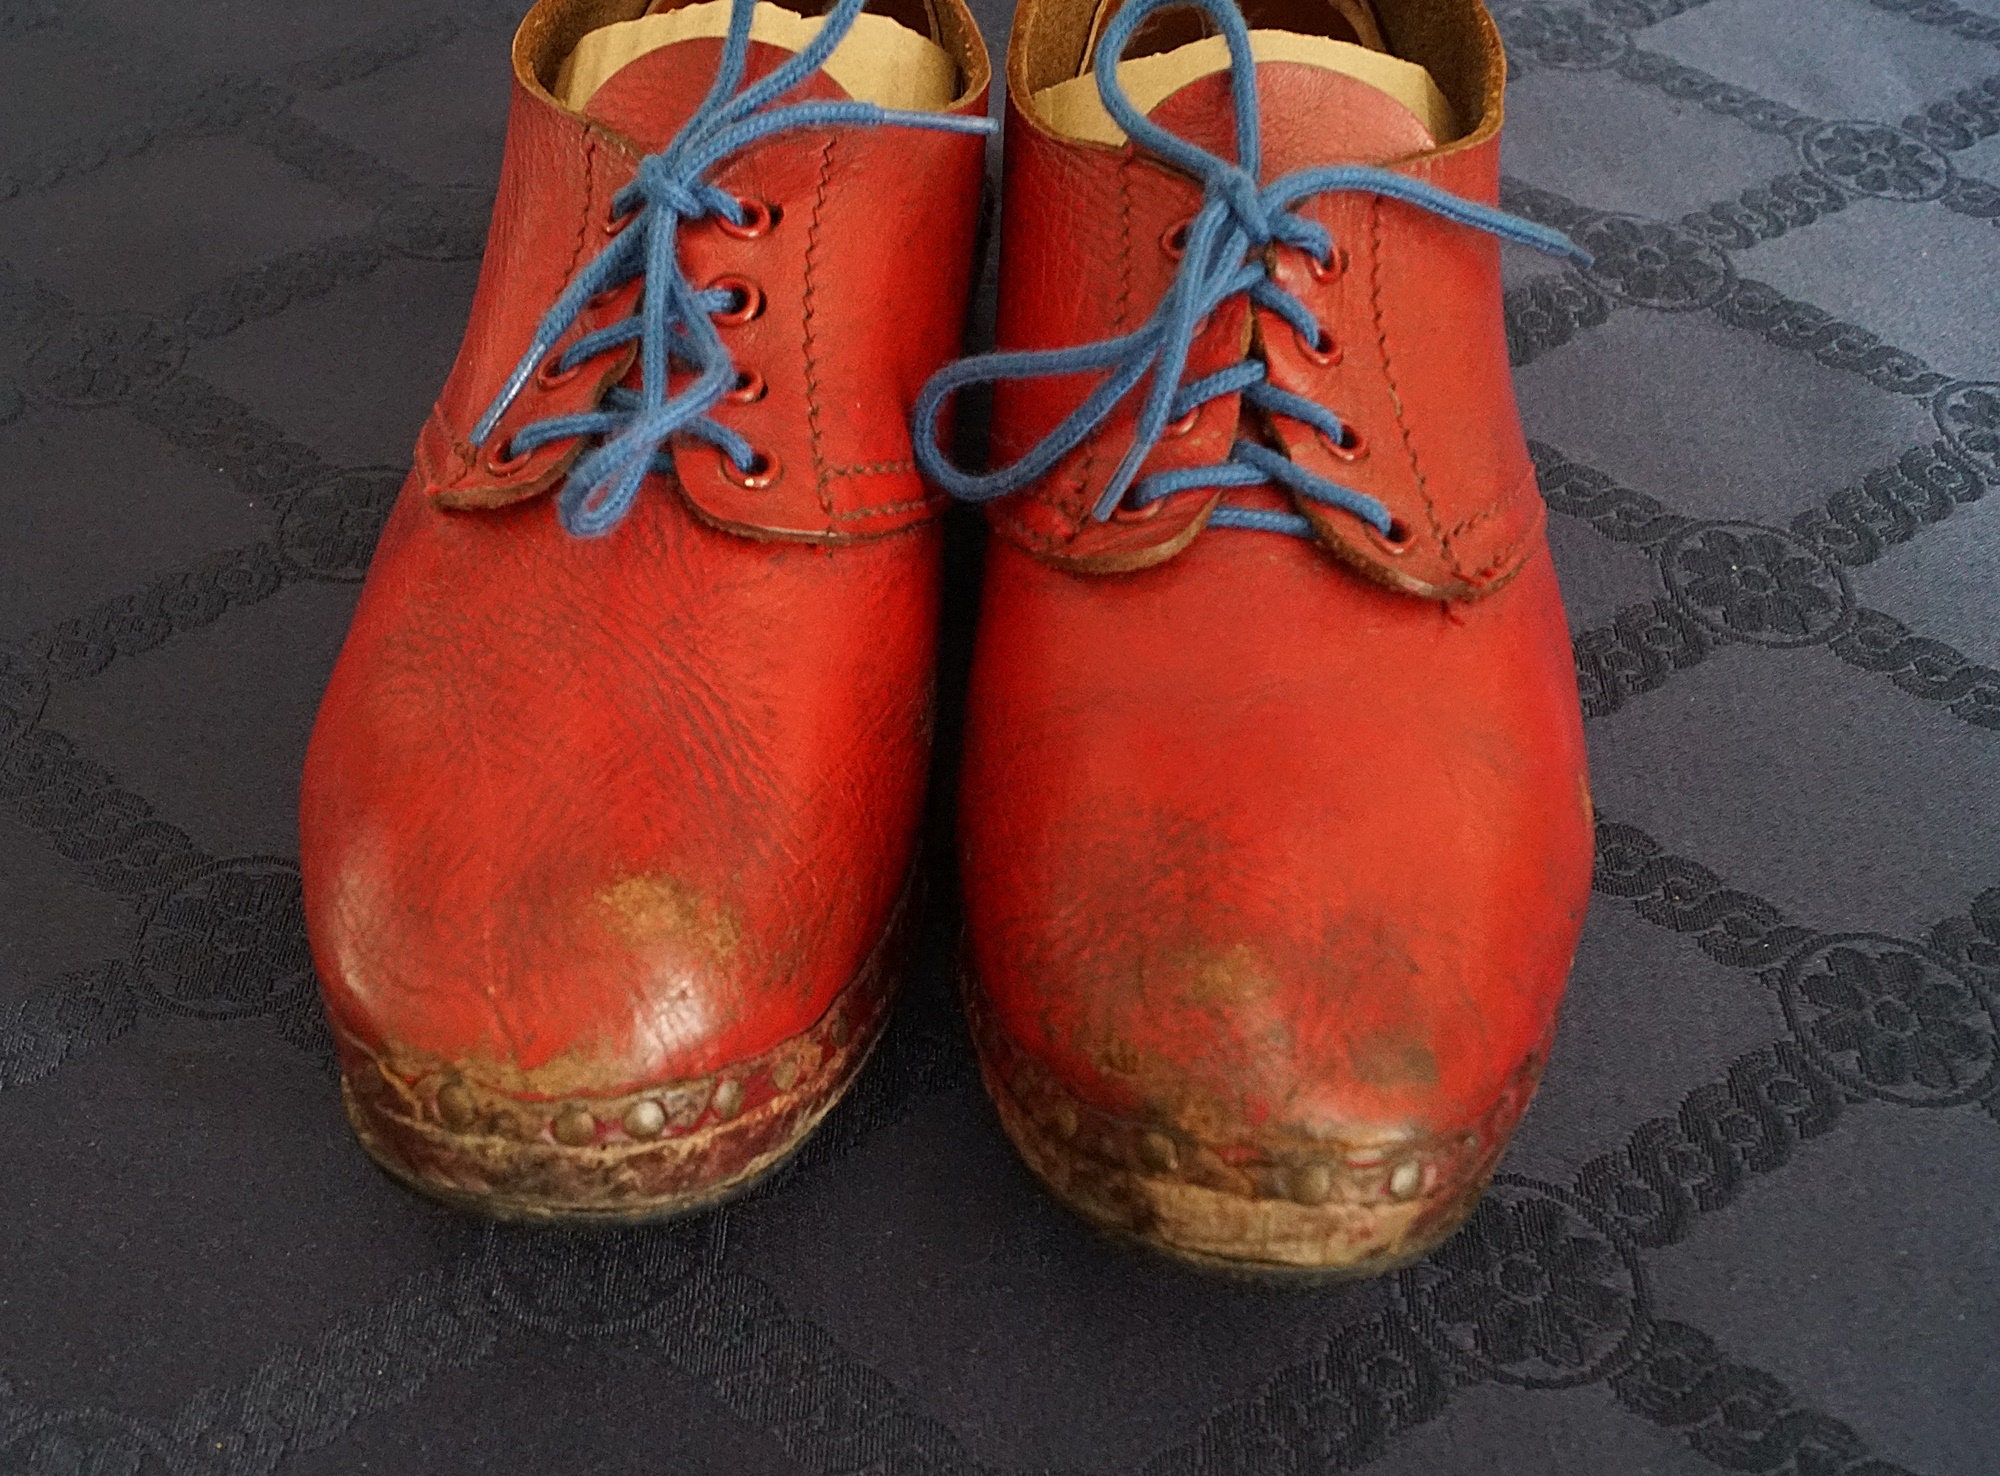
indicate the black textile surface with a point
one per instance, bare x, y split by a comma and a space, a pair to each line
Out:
1751, 1224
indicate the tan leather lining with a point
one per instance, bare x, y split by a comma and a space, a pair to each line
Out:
553, 29
1454, 40
879, 61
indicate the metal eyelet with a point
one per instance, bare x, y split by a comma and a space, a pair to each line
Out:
1351, 446
1175, 429
763, 471
502, 465
1173, 240
749, 301
1322, 350
1327, 271
614, 222
748, 389
759, 217
1395, 541
1126, 512
549, 376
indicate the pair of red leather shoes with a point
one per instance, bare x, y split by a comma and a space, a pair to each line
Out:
1275, 830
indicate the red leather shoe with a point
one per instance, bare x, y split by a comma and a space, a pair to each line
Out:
611, 800
1276, 827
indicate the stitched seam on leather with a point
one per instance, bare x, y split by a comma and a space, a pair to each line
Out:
1395, 398
1500, 557
871, 469
1094, 446
885, 510
1021, 533
1124, 308
811, 342
583, 216
1508, 554
575, 250
1466, 525
451, 437
1086, 467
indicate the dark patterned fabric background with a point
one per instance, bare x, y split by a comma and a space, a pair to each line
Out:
1752, 1222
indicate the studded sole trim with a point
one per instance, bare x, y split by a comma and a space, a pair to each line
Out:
648, 1155
1313, 1212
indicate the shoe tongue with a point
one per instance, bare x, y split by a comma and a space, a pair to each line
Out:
643, 78
648, 100
1322, 101
1309, 116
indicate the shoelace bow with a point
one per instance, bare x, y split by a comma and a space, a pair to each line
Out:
673, 322
1224, 256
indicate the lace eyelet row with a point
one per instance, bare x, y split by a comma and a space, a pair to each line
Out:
1324, 350
748, 304
765, 468
1173, 242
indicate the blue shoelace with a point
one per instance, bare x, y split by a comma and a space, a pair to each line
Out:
1224, 256
674, 321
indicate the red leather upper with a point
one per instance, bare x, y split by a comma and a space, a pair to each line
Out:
1269, 839
585, 814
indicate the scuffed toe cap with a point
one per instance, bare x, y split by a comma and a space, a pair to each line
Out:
1350, 1199
634, 1154
578, 1039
